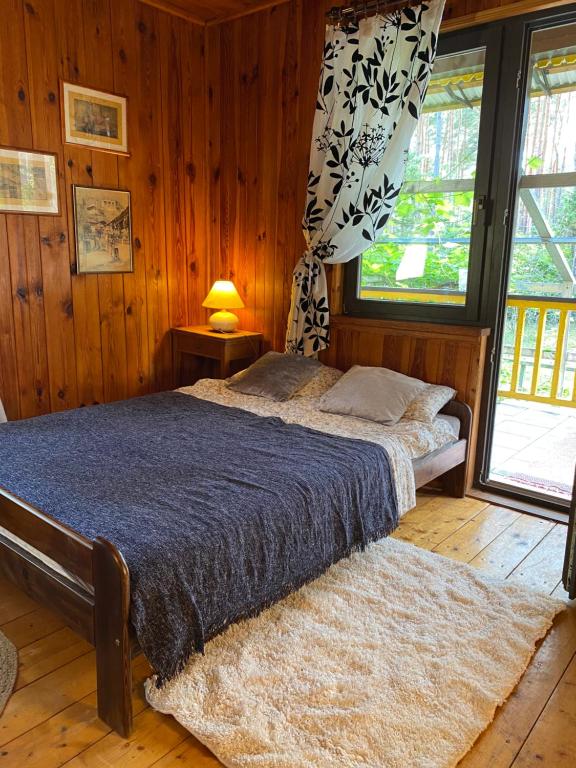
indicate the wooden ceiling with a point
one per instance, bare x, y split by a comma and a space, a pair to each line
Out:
212, 11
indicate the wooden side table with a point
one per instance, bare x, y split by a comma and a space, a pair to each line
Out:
212, 354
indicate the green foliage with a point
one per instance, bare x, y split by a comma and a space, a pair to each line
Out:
445, 218
435, 215
567, 213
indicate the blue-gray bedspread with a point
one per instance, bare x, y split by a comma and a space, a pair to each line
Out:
217, 511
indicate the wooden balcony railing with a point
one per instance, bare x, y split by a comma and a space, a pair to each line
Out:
534, 359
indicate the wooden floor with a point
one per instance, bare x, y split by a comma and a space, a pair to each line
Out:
51, 718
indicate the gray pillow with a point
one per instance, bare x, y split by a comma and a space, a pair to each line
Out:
275, 376
376, 394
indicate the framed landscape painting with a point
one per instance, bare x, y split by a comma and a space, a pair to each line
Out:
94, 119
28, 182
103, 228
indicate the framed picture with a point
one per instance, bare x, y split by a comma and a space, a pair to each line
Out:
103, 229
94, 119
28, 182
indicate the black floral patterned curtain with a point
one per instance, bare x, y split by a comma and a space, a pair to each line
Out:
372, 85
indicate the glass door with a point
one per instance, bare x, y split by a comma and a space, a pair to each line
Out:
533, 450
570, 562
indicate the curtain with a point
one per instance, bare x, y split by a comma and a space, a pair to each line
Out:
372, 85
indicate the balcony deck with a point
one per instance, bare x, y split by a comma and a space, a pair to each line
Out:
535, 447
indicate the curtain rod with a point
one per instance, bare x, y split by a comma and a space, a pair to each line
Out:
360, 9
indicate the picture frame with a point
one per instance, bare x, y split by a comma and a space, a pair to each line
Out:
94, 119
103, 230
29, 182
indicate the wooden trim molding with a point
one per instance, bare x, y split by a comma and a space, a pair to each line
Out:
183, 13
502, 12
264, 6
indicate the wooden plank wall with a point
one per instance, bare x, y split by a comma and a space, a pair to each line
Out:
257, 159
68, 340
220, 121
267, 66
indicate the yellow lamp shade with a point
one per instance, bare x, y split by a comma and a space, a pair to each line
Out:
223, 295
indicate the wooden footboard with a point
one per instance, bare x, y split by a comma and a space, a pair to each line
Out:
95, 604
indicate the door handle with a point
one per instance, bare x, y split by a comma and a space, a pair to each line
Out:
480, 205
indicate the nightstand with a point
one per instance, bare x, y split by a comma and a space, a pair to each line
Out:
211, 354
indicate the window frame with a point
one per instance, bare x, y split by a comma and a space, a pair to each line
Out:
510, 142
488, 37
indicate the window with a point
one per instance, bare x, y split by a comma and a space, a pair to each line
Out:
427, 262
423, 254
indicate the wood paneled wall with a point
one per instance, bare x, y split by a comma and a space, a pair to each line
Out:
263, 72
69, 340
263, 75
220, 120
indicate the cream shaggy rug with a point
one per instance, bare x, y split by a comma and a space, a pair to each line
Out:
8, 669
395, 658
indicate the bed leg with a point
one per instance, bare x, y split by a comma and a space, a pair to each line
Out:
454, 481
112, 641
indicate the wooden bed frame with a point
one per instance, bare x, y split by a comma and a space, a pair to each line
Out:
99, 612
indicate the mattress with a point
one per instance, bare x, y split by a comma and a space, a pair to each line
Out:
453, 423
404, 442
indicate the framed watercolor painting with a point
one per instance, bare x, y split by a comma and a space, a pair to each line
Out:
103, 229
28, 182
94, 119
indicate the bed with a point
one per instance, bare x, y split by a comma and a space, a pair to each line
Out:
85, 579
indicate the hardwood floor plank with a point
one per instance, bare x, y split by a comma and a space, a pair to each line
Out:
543, 567
57, 740
154, 736
14, 604
31, 627
551, 743
435, 521
501, 742
189, 754
47, 696
47, 654
506, 552
475, 535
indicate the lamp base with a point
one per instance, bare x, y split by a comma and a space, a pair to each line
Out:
224, 322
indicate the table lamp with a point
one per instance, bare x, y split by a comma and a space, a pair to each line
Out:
223, 296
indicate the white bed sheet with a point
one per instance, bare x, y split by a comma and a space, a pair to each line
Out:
403, 442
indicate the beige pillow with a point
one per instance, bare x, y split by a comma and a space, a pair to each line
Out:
428, 403
375, 394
